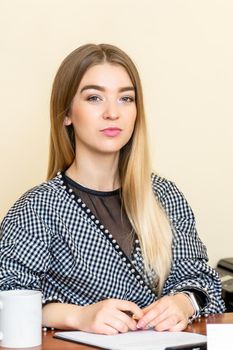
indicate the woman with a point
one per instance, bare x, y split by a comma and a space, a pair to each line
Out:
103, 238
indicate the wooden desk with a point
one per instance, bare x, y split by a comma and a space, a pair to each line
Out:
50, 343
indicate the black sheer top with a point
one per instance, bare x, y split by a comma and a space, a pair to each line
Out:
107, 207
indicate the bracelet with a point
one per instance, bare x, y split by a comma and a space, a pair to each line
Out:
193, 301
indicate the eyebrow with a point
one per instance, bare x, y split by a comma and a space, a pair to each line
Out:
102, 88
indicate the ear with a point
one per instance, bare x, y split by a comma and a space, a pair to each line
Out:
67, 121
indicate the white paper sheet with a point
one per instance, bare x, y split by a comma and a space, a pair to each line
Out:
220, 336
138, 340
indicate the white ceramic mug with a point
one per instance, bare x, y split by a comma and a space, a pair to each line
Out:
20, 318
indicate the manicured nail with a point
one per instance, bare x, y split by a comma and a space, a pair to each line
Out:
140, 325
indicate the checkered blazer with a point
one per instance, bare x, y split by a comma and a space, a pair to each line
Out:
51, 241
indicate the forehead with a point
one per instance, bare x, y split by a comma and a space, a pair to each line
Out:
106, 75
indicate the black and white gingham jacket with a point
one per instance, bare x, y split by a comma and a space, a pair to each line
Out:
51, 241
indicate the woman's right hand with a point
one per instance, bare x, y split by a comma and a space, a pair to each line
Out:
107, 317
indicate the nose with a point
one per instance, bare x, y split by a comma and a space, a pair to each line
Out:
111, 111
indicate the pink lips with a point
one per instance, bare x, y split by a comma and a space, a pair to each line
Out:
111, 131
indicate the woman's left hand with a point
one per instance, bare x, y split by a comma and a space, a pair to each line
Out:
170, 313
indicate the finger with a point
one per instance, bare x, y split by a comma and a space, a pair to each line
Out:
180, 326
165, 314
125, 305
167, 323
150, 316
119, 325
128, 318
149, 307
106, 329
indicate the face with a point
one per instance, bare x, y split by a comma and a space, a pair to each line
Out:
103, 110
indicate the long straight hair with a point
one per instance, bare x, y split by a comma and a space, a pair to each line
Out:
145, 213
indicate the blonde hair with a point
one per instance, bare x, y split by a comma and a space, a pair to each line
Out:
146, 215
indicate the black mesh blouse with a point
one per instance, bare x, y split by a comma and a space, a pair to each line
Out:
107, 207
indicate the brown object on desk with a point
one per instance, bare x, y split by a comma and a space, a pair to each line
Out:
50, 343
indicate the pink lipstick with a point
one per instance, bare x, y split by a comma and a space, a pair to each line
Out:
111, 132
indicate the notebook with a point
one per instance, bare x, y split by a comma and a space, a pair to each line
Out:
137, 340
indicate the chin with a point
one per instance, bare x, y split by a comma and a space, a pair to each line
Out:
110, 148
110, 151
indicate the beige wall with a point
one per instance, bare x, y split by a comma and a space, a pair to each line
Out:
184, 52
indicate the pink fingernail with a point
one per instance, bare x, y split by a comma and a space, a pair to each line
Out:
140, 325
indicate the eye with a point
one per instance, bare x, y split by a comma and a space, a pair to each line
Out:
94, 98
127, 99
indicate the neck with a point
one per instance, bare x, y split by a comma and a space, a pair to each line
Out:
96, 171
